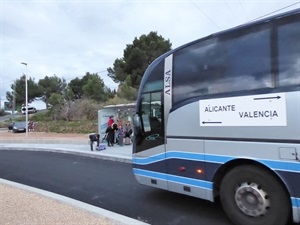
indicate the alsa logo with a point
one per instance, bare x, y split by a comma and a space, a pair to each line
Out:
168, 82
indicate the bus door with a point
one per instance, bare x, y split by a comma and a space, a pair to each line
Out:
149, 150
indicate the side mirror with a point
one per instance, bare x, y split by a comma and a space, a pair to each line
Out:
136, 121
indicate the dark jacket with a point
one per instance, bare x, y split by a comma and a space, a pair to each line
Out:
94, 137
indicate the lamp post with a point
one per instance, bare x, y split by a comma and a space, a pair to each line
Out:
26, 100
14, 101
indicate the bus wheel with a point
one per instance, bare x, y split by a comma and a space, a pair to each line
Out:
251, 195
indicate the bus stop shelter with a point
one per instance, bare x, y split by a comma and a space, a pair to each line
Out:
120, 111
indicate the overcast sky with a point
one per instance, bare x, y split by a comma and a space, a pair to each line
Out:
69, 38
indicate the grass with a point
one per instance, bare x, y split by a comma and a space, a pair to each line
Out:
67, 126
44, 123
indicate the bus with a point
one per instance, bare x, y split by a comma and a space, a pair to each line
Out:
219, 118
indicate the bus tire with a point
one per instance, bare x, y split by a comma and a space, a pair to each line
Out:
251, 195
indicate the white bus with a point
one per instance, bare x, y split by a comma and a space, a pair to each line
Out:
220, 118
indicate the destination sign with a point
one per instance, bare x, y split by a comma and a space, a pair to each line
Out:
253, 110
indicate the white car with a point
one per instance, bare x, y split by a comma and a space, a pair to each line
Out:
30, 110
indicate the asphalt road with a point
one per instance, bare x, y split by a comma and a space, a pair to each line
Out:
10, 116
109, 185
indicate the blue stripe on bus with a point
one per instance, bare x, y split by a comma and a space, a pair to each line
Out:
193, 182
169, 155
295, 202
151, 174
185, 155
188, 181
285, 166
149, 160
172, 178
276, 165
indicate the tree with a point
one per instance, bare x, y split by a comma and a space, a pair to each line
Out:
90, 86
94, 88
126, 91
18, 91
137, 57
109, 93
50, 85
61, 104
56, 100
76, 86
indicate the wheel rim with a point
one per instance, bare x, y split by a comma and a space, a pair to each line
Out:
252, 200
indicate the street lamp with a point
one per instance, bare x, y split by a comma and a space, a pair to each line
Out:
26, 100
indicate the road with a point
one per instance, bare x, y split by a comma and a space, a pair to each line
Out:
10, 116
109, 185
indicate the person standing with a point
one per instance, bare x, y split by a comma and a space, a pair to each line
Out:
110, 121
110, 135
126, 130
115, 127
120, 135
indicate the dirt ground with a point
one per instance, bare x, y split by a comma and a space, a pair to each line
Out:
18, 206
41, 136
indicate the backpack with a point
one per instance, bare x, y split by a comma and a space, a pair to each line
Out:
127, 141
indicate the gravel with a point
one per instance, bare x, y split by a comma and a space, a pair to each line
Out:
19, 206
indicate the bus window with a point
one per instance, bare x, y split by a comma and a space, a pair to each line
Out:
152, 131
151, 109
289, 54
235, 62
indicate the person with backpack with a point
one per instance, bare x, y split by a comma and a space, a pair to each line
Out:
120, 135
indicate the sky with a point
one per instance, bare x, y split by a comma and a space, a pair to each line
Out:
68, 38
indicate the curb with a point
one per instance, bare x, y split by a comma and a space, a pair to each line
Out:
85, 154
115, 217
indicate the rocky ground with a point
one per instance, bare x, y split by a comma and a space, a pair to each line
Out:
19, 206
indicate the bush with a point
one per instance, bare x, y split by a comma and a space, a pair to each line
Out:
117, 100
79, 116
2, 112
67, 127
82, 109
87, 109
3, 124
41, 116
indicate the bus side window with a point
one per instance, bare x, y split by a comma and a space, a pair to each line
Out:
151, 108
146, 123
289, 54
237, 61
155, 123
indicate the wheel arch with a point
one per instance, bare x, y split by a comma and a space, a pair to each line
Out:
225, 168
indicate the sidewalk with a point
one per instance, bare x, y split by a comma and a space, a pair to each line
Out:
21, 204
115, 153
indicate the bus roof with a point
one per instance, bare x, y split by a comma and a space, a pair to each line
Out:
245, 25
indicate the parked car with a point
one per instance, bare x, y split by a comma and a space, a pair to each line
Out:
19, 127
30, 110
